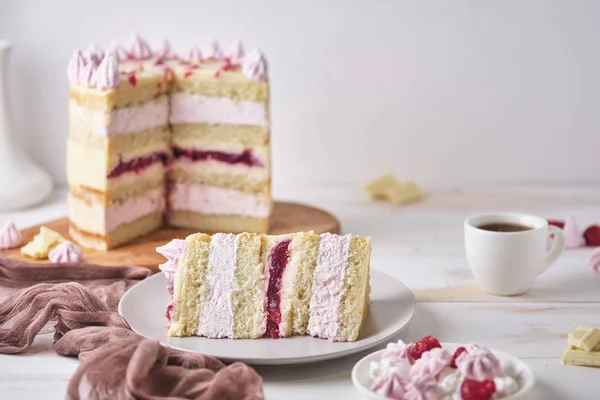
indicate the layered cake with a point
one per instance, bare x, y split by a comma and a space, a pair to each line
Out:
249, 285
158, 138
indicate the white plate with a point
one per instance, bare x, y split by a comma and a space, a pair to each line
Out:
391, 308
526, 380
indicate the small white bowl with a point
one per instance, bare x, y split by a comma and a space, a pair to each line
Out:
526, 380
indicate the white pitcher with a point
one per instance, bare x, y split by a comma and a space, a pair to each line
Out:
22, 182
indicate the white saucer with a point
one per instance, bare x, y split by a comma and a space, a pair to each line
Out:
526, 380
391, 308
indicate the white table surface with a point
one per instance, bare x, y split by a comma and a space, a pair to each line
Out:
422, 245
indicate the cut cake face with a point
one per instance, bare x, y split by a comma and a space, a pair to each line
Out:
158, 138
248, 286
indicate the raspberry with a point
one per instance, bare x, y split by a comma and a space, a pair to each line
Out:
132, 79
431, 342
592, 235
559, 224
422, 346
457, 353
477, 390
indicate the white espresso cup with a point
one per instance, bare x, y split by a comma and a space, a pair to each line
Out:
506, 263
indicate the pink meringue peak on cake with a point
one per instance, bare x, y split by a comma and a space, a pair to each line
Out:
10, 236
250, 285
155, 137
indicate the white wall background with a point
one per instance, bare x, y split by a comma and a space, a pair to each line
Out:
446, 92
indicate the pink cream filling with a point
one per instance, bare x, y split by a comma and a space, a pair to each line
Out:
212, 200
277, 263
216, 313
134, 208
328, 282
189, 108
126, 120
171, 251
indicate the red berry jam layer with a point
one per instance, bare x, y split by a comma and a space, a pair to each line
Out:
138, 164
279, 260
246, 157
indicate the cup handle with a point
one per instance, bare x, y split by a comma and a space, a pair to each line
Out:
558, 246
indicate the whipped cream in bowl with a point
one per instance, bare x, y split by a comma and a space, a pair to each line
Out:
454, 371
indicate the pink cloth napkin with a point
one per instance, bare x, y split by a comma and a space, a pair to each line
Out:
116, 363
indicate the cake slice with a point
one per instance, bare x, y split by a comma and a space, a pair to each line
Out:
249, 285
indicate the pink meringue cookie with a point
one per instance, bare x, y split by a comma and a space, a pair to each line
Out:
506, 386
421, 388
119, 51
10, 236
255, 66
396, 365
107, 74
65, 252
573, 236
194, 56
431, 363
94, 54
165, 52
171, 251
449, 380
235, 54
389, 385
595, 260
76, 64
139, 49
88, 75
398, 350
212, 51
478, 363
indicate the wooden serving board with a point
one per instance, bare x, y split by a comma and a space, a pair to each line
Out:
286, 218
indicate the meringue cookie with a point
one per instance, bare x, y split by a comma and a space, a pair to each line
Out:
94, 54
255, 66
505, 386
449, 380
595, 260
573, 236
171, 251
165, 52
107, 74
139, 49
235, 54
478, 363
65, 252
76, 64
431, 363
119, 51
399, 350
10, 236
212, 51
87, 77
390, 386
195, 55
398, 366
507, 368
421, 388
